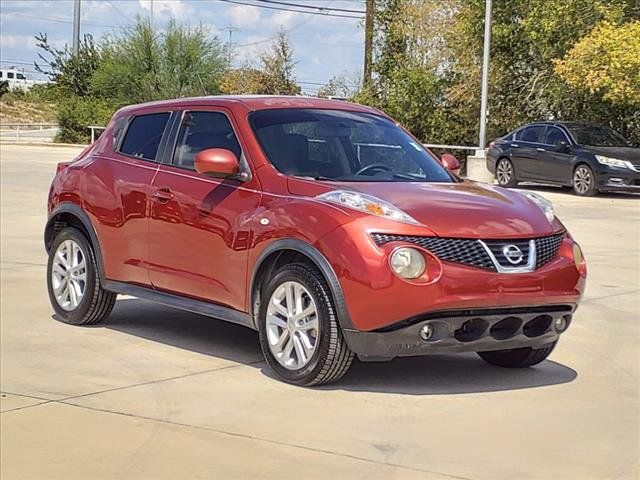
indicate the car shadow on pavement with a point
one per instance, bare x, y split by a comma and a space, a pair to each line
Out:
428, 375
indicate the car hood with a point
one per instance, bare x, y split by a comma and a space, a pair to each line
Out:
465, 210
622, 153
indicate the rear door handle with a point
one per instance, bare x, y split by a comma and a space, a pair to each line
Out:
514, 145
162, 195
540, 149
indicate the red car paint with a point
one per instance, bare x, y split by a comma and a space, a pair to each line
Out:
181, 232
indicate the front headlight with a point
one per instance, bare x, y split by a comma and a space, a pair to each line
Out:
545, 205
368, 204
614, 162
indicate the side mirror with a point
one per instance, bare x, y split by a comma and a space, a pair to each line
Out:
451, 163
217, 162
562, 146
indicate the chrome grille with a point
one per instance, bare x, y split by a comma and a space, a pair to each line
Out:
471, 252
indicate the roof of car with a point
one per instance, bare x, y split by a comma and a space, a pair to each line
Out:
564, 123
256, 102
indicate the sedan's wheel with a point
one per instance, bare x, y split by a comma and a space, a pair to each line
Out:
584, 182
505, 173
299, 332
72, 280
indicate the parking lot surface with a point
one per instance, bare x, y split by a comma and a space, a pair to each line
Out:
160, 393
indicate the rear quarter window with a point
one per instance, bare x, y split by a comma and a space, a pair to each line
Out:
143, 136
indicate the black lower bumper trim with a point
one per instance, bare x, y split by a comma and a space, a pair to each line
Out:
471, 331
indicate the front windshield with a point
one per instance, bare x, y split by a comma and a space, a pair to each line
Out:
341, 145
597, 136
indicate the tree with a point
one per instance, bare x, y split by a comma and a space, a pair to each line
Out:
340, 86
71, 73
141, 65
242, 81
4, 88
606, 62
277, 68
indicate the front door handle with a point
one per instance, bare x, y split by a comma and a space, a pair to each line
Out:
514, 145
540, 149
162, 195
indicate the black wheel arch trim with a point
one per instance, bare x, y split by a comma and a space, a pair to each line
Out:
78, 212
320, 261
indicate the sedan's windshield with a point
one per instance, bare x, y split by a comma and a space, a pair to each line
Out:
597, 136
343, 146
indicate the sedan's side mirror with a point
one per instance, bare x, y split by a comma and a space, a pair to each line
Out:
217, 162
450, 162
562, 146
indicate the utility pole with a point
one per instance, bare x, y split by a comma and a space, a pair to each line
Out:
230, 29
76, 27
368, 41
485, 76
151, 14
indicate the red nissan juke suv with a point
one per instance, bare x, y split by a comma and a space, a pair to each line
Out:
321, 224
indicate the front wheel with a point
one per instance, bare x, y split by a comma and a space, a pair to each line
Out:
505, 173
584, 181
72, 280
298, 326
517, 357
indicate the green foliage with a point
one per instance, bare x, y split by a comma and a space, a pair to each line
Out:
273, 76
606, 61
141, 65
76, 113
277, 68
70, 73
4, 88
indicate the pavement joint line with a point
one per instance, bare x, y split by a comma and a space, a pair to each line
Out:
27, 406
604, 297
262, 439
159, 380
6, 392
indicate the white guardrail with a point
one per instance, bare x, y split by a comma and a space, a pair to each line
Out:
39, 132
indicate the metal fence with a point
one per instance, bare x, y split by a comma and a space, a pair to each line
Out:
29, 132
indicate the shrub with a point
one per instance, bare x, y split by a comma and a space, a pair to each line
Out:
75, 114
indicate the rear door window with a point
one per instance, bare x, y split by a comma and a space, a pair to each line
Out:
530, 134
144, 135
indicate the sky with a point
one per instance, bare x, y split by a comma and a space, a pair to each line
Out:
323, 46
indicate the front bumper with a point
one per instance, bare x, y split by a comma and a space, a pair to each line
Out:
619, 180
464, 331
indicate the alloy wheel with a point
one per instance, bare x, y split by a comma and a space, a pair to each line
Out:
69, 275
504, 172
582, 179
293, 327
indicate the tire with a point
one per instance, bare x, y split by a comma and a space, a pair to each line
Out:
506, 173
92, 303
584, 181
331, 357
517, 357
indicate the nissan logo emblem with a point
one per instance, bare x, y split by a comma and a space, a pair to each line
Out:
513, 254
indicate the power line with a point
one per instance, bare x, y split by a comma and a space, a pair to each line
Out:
237, 2
59, 20
313, 6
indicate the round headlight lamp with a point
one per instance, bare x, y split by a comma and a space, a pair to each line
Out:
407, 263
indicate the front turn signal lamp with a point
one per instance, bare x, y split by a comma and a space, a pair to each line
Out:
367, 204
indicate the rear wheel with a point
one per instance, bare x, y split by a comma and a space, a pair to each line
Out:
505, 173
299, 332
584, 181
517, 357
72, 280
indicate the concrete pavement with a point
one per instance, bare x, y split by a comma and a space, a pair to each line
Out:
159, 393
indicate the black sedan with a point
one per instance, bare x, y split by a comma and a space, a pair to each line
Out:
589, 158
